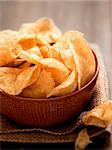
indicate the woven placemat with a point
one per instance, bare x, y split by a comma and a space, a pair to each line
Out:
11, 132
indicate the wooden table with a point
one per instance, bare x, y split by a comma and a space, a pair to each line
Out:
93, 18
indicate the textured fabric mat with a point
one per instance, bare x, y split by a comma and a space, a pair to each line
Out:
11, 132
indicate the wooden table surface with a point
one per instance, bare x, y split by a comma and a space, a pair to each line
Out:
93, 18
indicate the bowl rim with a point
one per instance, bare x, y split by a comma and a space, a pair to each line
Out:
59, 97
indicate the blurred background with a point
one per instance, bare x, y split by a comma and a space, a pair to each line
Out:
92, 17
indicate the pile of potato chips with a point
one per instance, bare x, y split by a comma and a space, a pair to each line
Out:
40, 61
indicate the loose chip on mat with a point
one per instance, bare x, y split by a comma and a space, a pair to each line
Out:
41, 87
14, 80
100, 116
67, 86
82, 140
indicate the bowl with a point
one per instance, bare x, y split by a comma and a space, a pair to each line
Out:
47, 112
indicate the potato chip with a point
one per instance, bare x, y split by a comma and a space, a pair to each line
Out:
83, 58
62, 43
14, 80
28, 28
9, 51
41, 87
30, 57
7, 79
62, 51
49, 52
36, 51
67, 57
9, 34
41, 26
55, 54
58, 69
26, 78
100, 116
67, 86
27, 41
71, 35
82, 140
42, 40
46, 51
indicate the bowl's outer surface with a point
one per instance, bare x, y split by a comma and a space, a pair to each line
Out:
47, 112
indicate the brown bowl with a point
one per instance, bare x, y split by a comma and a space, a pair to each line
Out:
47, 112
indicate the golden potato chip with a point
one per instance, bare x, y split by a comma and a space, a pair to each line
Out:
82, 54
9, 48
31, 58
35, 50
71, 35
28, 28
32, 55
42, 39
55, 54
41, 87
83, 58
82, 140
9, 34
47, 38
62, 51
62, 43
58, 69
67, 86
27, 41
26, 78
45, 51
41, 26
14, 80
100, 115
7, 79
9, 51
49, 52
67, 57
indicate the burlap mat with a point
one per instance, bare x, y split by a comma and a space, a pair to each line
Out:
67, 132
